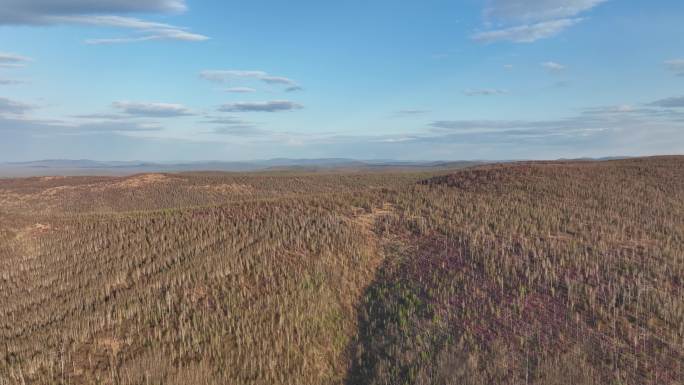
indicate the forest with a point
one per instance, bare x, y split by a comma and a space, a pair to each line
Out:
558, 272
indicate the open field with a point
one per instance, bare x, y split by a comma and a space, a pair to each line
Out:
525, 273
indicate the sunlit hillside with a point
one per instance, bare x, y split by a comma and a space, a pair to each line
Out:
522, 273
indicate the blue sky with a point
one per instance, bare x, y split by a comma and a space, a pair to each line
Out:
168, 80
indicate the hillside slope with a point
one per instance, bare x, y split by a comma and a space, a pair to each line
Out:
541, 273
530, 273
163, 279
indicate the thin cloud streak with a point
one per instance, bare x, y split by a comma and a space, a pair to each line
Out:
101, 13
527, 21
157, 110
526, 11
675, 66
36, 11
14, 107
552, 66
246, 130
11, 82
484, 92
528, 33
412, 112
225, 76
240, 90
673, 102
12, 60
272, 106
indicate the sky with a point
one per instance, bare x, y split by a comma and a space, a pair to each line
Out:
189, 80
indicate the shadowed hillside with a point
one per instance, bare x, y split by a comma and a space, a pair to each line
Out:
530, 273
540, 273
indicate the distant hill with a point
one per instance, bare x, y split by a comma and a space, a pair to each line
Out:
67, 167
82, 167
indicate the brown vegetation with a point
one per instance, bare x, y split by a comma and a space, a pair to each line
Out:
530, 273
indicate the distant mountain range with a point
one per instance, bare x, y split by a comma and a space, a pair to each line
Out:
68, 167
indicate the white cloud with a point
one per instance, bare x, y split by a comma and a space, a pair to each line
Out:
12, 60
278, 80
150, 30
101, 13
113, 126
158, 110
663, 112
676, 66
159, 35
36, 11
526, 11
526, 21
15, 117
224, 76
272, 106
113, 21
552, 66
527, 33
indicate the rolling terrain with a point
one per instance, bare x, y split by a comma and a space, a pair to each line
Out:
567, 272
85, 167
